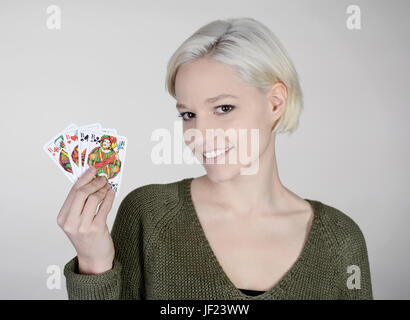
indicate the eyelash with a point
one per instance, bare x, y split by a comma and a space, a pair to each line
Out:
181, 115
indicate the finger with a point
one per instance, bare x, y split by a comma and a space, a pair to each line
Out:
90, 207
82, 194
87, 177
105, 208
84, 179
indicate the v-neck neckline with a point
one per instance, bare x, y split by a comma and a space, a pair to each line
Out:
278, 288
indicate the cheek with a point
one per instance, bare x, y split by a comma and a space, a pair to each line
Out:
248, 120
258, 135
260, 122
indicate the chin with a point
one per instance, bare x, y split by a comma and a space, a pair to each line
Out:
219, 173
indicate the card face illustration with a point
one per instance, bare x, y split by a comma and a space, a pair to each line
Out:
83, 136
106, 152
75, 149
58, 151
82, 144
71, 141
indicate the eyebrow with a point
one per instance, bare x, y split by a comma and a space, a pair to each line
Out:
209, 100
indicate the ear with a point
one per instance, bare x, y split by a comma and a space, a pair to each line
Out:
277, 98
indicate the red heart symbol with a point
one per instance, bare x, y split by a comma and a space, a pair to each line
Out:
74, 138
69, 141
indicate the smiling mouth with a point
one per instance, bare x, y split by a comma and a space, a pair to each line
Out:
215, 154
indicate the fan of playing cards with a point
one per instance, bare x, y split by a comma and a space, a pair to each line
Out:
75, 149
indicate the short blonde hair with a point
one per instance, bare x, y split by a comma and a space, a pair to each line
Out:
254, 51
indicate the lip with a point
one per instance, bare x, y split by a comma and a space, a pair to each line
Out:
215, 159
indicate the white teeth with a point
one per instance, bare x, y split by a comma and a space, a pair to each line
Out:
214, 154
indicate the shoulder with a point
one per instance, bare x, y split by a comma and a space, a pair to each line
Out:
351, 254
150, 203
341, 228
152, 193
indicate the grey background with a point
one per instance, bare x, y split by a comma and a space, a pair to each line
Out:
107, 64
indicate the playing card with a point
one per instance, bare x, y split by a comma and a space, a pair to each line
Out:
106, 151
58, 151
75, 149
85, 134
81, 148
71, 141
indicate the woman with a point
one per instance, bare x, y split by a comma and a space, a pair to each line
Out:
229, 234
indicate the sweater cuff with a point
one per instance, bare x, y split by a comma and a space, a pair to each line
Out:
103, 286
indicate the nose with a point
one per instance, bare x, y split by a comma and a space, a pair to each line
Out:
211, 134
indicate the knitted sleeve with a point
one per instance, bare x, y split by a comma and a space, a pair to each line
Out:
125, 280
355, 279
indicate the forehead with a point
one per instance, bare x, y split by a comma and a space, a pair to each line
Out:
204, 78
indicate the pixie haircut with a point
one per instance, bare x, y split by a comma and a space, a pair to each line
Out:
256, 54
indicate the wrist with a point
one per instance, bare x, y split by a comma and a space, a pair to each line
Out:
93, 267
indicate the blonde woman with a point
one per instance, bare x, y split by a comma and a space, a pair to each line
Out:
224, 235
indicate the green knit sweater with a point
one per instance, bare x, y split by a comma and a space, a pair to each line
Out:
161, 252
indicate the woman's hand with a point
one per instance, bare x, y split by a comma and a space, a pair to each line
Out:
87, 229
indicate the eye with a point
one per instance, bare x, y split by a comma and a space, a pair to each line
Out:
226, 108
184, 114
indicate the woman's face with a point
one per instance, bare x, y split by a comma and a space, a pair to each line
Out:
240, 107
